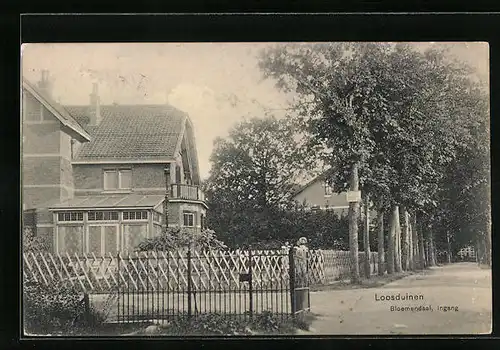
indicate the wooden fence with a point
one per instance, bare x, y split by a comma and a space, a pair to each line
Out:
209, 269
329, 266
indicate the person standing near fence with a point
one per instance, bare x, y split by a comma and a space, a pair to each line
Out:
301, 253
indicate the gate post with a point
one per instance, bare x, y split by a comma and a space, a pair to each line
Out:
291, 273
86, 305
308, 281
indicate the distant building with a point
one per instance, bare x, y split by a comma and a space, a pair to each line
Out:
93, 177
317, 194
467, 253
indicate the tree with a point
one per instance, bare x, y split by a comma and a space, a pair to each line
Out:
338, 97
260, 162
366, 236
254, 173
391, 119
381, 250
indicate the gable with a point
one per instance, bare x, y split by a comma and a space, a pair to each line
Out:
51, 109
314, 195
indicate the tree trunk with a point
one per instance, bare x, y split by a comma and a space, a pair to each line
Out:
416, 250
432, 248
488, 247
391, 244
406, 241
410, 246
421, 249
381, 250
477, 252
353, 226
427, 251
485, 252
449, 248
398, 266
366, 237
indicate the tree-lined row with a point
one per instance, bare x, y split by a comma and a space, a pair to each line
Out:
408, 128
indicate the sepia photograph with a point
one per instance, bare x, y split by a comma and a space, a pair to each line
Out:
255, 189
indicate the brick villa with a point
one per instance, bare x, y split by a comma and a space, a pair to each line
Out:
94, 177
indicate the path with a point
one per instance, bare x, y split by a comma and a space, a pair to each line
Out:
461, 285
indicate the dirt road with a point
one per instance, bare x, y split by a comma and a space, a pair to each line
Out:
452, 299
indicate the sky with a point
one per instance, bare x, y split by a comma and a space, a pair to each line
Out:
217, 84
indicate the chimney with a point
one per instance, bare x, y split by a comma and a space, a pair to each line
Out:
95, 108
44, 84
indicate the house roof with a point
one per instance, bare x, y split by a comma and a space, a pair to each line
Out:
132, 132
110, 201
57, 110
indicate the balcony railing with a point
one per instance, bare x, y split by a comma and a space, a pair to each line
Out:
183, 191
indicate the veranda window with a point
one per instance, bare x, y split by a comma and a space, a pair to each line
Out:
103, 215
157, 217
135, 215
70, 216
70, 239
133, 235
102, 239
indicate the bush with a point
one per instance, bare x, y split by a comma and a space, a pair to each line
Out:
56, 308
272, 227
32, 243
220, 324
179, 238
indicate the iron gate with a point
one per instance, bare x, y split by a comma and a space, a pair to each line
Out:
163, 285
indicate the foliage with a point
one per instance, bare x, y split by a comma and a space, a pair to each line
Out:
178, 238
272, 228
220, 324
56, 308
372, 103
31, 242
258, 164
406, 116
253, 176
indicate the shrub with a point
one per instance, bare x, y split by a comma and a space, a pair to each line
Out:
220, 324
56, 308
271, 227
31, 242
179, 238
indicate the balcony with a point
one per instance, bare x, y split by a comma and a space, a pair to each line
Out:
183, 191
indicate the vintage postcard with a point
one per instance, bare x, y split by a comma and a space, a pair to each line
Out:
251, 189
